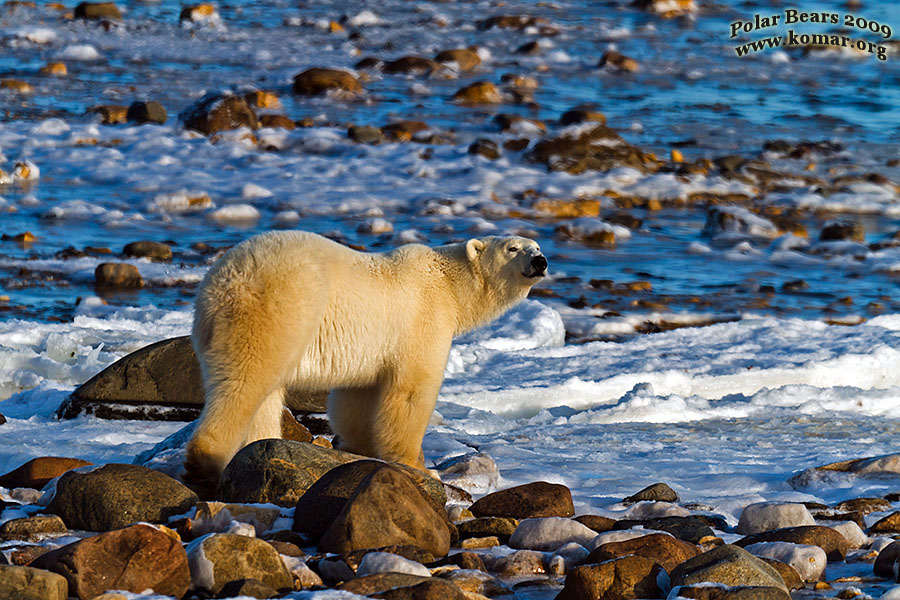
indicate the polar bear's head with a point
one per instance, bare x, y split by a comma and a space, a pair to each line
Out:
511, 264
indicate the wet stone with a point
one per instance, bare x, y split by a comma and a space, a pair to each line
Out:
501, 527
147, 249
597, 523
411, 65
617, 62
217, 112
480, 92
110, 114
147, 112
118, 275
316, 81
618, 579
365, 134
277, 122
464, 58
485, 147
833, 543
842, 230
888, 524
27, 583
665, 550
538, 499
37, 472
658, 492
33, 528
97, 10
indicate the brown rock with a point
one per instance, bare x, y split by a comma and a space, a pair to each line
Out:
403, 131
147, 112
501, 527
235, 557
596, 522
216, 112
746, 592
253, 588
37, 472
413, 553
135, 559
121, 275
277, 122
16, 85
789, 574
110, 114
463, 57
664, 550
842, 230
729, 565
511, 22
581, 114
23, 555
863, 505
884, 563
412, 65
538, 499
365, 134
430, 589
508, 123
618, 579
197, 12
599, 148
486, 148
116, 495
316, 81
380, 582
26, 583
293, 430
658, 492
146, 249
463, 560
33, 528
888, 524
833, 543
387, 509
618, 62
97, 10
480, 92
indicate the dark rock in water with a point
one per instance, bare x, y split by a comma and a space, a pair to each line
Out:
387, 509
464, 58
380, 582
486, 148
321, 504
234, 557
430, 589
37, 472
690, 529
33, 528
887, 558
116, 495
158, 382
316, 81
97, 10
110, 114
516, 145
730, 163
463, 560
529, 49
658, 492
277, 471
511, 22
508, 123
133, 559
403, 131
842, 230
863, 505
618, 579
277, 121
147, 112
118, 275
28, 583
797, 285
888, 524
501, 527
598, 148
365, 134
254, 588
597, 523
741, 592
146, 249
480, 92
789, 574
412, 65
2, 419
624, 219
832, 542
369, 62
728, 565
662, 549
582, 114
217, 111
538, 499
615, 61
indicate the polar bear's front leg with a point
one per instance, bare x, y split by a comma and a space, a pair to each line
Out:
350, 414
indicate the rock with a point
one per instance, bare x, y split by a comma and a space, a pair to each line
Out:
158, 382
571, 554
32, 529
842, 230
147, 112
321, 504
373, 584
431, 589
618, 579
110, 114
658, 492
597, 523
315, 81
729, 565
474, 470
293, 430
27, 583
37, 472
656, 510
582, 114
253, 588
863, 505
614, 61
146, 249
664, 550
198, 12
365, 134
501, 527
873, 466
214, 517
808, 561
134, 559
724, 220
16, 85
582, 148
517, 564
386, 509
550, 533
724, 592
884, 563
888, 524
480, 92
511, 22
219, 558
538, 499
57, 69
532, 48
411, 65
122, 275
476, 582
767, 516
829, 540
465, 59
690, 529
218, 111
116, 495
463, 560
403, 131
277, 122
97, 10
851, 531
387, 562
519, 125
485, 147
277, 471
790, 576
410, 553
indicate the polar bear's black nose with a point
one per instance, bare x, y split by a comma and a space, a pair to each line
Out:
539, 263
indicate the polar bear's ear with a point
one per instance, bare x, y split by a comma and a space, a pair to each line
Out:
474, 248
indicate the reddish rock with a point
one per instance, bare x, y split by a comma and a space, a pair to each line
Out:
464, 58
888, 524
665, 550
38, 471
615, 61
833, 543
33, 528
121, 275
430, 589
277, 121
316, 81
216, 112
26, 583
412, 65
596, 522
620, 579
97, 10
480, 92
147, 249
538, 499
134, 559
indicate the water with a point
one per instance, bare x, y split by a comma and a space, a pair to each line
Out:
691, 93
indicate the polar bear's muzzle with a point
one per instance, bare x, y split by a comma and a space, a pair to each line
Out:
537, 267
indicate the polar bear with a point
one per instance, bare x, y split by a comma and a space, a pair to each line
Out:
293, 309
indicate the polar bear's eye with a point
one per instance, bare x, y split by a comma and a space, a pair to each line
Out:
513, 249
